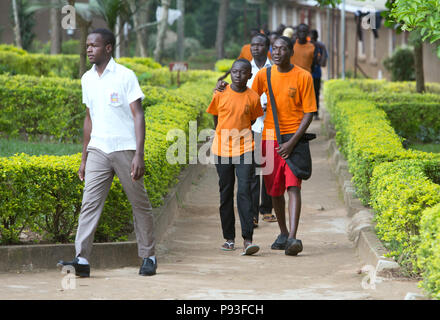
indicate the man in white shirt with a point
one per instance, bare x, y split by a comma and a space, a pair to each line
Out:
260, 45
114, 136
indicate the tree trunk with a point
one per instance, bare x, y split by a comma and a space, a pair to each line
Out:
418, 66
180, 52
84, 30
16, 24
161, 32
55, 30
221, 29
141, 50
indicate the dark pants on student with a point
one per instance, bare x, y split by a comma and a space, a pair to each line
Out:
227, 168
261, 201
317, 87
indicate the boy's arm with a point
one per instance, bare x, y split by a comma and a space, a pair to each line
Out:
87, 130
138, 163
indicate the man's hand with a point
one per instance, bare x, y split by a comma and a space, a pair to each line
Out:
137, 166
82, 170
221, 86
285, 149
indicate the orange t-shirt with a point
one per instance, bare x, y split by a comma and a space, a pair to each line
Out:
303, 55
235, 111
294, 95
246, 53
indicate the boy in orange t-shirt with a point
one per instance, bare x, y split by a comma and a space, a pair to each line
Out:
235, 110
305, 54
294, 94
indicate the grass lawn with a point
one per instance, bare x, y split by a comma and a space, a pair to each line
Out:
9, 147
428, 147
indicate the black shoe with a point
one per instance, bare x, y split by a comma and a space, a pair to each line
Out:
81, 270
293, 247
280, 242
148, 267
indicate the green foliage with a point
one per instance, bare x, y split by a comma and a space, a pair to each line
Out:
428, 253
401, 65
400, 192
422, 15
224, 65
363, 131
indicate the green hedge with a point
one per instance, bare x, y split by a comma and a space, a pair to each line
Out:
428, 253
364, 133
400, 192
43, 194
17, 61
402, 186
36, 108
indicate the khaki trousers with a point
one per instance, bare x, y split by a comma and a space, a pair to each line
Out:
99, 173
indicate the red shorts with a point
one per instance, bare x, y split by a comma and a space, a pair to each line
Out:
281, 177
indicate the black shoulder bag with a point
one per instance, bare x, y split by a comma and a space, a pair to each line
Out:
300, 160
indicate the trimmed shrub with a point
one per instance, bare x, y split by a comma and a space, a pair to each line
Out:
224, 65
428, 253
400, 192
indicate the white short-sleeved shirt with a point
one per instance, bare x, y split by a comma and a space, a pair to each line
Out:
108, 98
259, 123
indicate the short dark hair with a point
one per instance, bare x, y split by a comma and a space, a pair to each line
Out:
314, 34
107, 36
266, 38
245, 62
288, 41
304, 25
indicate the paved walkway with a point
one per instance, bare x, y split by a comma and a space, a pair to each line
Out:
192, 266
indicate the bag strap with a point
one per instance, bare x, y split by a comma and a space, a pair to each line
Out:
273, 104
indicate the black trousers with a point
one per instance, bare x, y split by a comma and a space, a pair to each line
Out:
261, 201
244, 170
317, 87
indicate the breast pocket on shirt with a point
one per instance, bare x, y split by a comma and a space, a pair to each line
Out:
115, 97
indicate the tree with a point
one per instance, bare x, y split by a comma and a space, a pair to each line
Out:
180, 52
161, 32
221, 29
418, 14
139, 17
55, 30
16, 24
422, 18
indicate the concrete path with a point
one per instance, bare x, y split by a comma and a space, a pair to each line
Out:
192, 266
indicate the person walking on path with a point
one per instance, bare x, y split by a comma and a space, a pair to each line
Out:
235, 110
305, 54
114, 136
262, 202
294, 94
317, 72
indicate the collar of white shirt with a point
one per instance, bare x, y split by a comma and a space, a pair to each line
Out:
266, 64
111, 66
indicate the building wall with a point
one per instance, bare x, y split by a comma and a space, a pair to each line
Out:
375, 49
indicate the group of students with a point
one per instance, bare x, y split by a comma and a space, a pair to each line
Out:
114, 139
245, 144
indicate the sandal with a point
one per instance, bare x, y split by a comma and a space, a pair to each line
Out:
228, 245
268, 217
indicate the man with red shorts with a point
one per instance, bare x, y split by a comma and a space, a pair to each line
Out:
295, 99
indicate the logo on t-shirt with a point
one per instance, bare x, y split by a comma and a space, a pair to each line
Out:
247, 109
114, 98
292, 92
